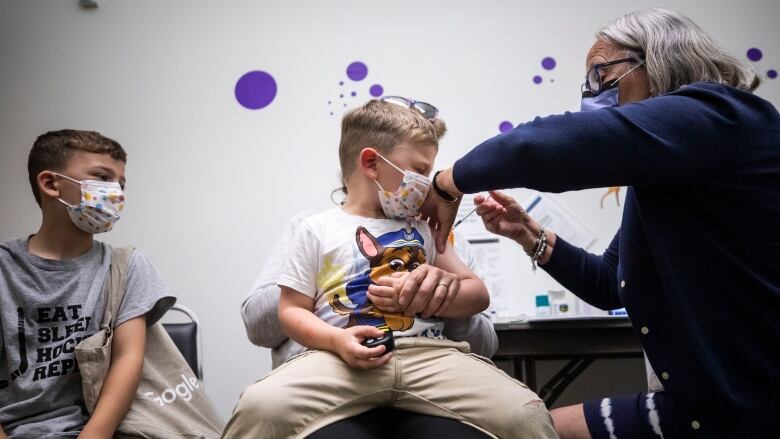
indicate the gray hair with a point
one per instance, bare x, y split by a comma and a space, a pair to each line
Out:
677, 51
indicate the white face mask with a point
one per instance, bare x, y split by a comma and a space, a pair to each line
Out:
406, 201
98, 210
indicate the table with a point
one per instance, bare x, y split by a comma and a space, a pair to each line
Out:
581, 340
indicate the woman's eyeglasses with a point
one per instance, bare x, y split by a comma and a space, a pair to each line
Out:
427, 110
593, 84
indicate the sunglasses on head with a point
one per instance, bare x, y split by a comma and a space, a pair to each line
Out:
427, 110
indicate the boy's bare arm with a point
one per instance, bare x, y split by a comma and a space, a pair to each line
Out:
121, 383
473, 296
302, 325
2, 433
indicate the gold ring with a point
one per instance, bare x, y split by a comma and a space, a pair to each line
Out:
444, 285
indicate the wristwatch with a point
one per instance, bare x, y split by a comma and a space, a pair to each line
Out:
442, 193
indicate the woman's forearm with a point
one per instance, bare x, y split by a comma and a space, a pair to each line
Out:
530, 241
591, 277
261, 318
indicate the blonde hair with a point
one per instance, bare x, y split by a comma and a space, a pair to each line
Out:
383, 126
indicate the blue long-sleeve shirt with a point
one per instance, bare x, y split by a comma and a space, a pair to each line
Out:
696, 261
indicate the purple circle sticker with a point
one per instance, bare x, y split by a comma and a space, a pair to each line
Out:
376, 90
548, 63
353, 94
357, 71
505, 126
255, 90
771, 74
754, 54
537, 79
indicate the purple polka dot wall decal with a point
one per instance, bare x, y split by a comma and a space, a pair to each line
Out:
505, 126
376, 90
357, 71
537, 79
255, 90
754, 54
771, 74
548, 63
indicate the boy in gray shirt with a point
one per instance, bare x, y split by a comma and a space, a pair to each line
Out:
51, 294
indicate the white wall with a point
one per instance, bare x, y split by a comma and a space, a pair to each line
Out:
211, 183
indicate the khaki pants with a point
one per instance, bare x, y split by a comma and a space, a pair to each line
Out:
433, 377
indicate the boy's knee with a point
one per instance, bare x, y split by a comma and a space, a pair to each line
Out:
260, 401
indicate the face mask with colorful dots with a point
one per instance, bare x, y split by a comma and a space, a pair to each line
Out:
98, 210
406, 201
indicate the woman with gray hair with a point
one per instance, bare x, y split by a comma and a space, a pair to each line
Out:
696, 261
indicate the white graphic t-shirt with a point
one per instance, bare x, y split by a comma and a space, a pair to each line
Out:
335, 256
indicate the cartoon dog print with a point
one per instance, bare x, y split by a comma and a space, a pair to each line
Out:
402, 251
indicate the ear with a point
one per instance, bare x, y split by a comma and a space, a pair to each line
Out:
367, 161
367, 244
47, 185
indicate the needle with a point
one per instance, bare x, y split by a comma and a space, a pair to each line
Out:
468, 214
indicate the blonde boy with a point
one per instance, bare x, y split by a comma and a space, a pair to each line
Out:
366, 268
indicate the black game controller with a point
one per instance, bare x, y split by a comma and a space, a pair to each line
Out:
386, 340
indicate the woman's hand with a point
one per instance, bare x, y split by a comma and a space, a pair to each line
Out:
439, 212
347, 343
504, 216
423, 291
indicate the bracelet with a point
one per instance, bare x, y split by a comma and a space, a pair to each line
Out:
442, 193
541, 247
538, 244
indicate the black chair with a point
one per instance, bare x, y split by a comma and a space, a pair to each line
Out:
186, 337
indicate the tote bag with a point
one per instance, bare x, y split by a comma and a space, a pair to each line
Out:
170, 401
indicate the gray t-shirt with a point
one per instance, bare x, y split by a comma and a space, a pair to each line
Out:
46, 308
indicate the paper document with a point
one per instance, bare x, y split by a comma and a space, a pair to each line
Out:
552, 215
